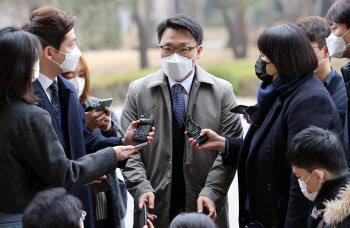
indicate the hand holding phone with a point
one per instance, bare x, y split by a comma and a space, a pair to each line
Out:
141, 145
143, 216
239, 109
100, 106
105, 185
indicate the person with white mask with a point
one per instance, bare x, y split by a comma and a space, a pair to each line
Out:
168, 175
317, 30
58, 96
100, 123
318, 160
338, 19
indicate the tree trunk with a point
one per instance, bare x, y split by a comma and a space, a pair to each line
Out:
143, 39
237, 31
145, 24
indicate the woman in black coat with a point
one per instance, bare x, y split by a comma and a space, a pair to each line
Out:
290, 98
31, 155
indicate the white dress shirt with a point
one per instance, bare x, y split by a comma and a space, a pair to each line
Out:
45, 83
185, 93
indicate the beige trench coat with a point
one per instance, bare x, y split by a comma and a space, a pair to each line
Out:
150, 169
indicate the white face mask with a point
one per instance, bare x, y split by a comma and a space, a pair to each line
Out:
79, 85
36, 71
321, 60
70, 60
176, 66
319, 55
311, 196
336, 45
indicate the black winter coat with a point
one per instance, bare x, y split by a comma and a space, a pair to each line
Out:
275, 198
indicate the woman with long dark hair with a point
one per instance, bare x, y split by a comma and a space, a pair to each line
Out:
31, 156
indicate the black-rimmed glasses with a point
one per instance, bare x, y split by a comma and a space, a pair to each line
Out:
183, 51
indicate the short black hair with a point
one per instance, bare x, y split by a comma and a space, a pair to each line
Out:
316, 29
19, 51
339, 13
51, 25
314, 148
289, 49
53, 208
180, 21
192, 220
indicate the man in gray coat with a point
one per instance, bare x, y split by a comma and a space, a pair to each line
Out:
169, 175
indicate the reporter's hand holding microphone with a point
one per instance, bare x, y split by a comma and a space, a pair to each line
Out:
128, 149
214, 142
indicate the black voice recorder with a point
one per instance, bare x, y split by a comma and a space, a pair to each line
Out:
143, 128
195, 132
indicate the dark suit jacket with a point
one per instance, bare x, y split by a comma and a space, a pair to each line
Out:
337, 90
345, 70
76, 139
275, 198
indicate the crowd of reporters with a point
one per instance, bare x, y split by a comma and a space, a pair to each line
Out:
292, 164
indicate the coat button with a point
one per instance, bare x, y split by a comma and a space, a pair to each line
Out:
269, 187
268, 148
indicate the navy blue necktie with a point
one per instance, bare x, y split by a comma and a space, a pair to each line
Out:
54, 100
178, 105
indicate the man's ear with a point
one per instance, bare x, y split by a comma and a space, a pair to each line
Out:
320, 175
48, 52
199, 51
326, 52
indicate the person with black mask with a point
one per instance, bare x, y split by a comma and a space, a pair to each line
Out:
290, 98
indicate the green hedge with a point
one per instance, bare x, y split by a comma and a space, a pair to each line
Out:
237, 72
123, 78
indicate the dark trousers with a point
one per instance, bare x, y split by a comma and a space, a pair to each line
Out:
178, 192
103, 223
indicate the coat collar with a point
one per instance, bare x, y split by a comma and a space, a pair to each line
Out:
329, 190
296, 85
63, 86
271, 116
338, 210
159, 77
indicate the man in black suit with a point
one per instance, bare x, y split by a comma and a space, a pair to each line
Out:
57, 96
